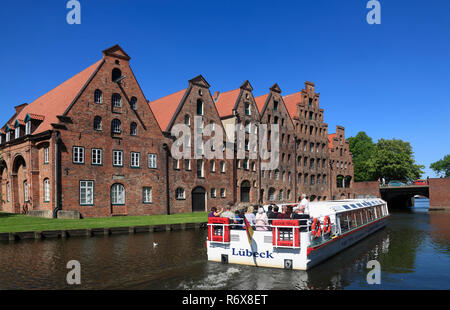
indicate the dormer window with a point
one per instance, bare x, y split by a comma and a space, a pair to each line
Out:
8, 136
133, 103
28, 128
17, 133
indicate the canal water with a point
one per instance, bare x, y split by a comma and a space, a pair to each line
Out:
413, 251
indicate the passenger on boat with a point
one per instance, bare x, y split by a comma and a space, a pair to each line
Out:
303, 218
261, 220
215, 213
269, 211
283, 215
273, 215
228, 212
237, 220
250, 216
304, 204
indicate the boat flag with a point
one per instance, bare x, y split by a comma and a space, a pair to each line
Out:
249, 230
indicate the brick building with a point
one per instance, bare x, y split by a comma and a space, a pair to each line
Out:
96, 145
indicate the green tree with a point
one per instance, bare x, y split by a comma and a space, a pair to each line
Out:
442, 167
362, 148
393, 160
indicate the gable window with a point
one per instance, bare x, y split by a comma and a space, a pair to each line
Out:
199, 107
97, 123
135, 160
98, 96
147, 195
116, 126
133, 103
152, 161
180, 194
46, 155
247, 126
247, 109
275, 105
118, 194
118, 158
116, 74
46, 190
28, 128
116, 101
86, 193
187, 120
96, 156
78, 155
133, 129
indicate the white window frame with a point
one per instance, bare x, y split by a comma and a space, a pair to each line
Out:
117, 158
87, 188
135, 160
78, 155
187, 163
47, 190
147, 194
28, 128
46, 155
213, 193
180, 193
96, 157
118, 197
152, 161
26, 197
8, 136
17, 133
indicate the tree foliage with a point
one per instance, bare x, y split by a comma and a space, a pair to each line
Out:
391, 159
442, 167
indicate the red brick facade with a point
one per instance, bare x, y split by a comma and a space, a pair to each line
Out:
94, 144
439, 192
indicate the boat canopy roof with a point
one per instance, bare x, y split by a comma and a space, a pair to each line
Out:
321, 208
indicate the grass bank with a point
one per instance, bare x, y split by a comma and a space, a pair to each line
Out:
20, 223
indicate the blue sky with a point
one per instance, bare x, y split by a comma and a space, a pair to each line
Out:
389, 80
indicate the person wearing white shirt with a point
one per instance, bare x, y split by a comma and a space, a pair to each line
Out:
304, 204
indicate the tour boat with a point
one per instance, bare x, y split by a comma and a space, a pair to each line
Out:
296, 244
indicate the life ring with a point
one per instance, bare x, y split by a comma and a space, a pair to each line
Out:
316, 231
326, 225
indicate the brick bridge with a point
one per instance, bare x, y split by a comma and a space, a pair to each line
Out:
438, 191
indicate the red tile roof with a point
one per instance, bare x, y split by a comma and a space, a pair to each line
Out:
55, 102
260, 101
331, 136
226, 102
291, 102
164, 108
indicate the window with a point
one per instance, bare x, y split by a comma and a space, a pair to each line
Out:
116, 73
247, 109
46, 155
200, 171
299, 178
135, 160
86, 193
98, 96
313, 180
133, 103
212, 166
97, 123
147, 195
223, 193
118, 194
280, 195
275, 120
275, 106
96, 157
253, 166
152, 161
46, 190
116, 126
199, 107
28, 128
271, 194
25, 191
116, 101
187, 164
133, 129
8, 136
213, 192
176, 164
78, 155
187, 120
180, 194
118, 158
247, 126
222, 166
17, 133
277, 174
246, 164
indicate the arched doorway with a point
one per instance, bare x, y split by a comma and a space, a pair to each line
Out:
198, 199
245, 191
19, 190
4, 183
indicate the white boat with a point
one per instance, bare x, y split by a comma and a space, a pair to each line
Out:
332, 227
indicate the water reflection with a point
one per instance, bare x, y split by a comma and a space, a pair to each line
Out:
413, 251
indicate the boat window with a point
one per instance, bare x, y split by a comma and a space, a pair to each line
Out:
346, 207
344, 222
359, 205
353, 206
